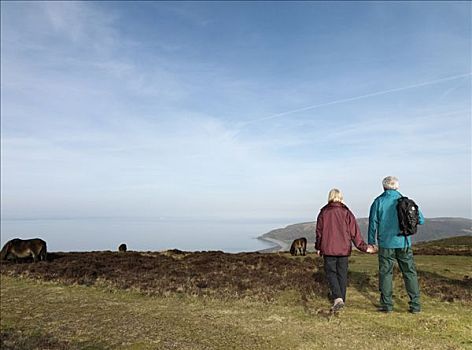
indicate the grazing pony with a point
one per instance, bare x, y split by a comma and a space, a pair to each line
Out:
122, 248
298, 246
23, 248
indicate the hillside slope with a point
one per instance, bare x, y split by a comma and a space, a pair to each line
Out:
435, 228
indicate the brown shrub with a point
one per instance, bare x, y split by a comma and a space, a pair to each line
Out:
200, 273
447, 289
438, 250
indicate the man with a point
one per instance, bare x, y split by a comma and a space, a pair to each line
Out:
384, 227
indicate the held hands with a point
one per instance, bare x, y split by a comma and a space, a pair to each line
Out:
372, 249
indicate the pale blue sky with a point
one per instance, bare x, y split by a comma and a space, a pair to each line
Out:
198, 109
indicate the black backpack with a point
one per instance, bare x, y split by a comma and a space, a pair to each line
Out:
408, 216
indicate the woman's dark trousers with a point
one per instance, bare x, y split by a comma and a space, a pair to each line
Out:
336, 273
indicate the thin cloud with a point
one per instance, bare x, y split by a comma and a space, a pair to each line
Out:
355, 98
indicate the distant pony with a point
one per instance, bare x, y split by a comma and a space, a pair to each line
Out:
122, 248
23, 248
298, 246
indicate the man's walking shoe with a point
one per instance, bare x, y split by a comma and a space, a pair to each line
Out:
414, 311
338, 305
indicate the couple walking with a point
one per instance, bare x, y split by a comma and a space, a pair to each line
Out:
336, 228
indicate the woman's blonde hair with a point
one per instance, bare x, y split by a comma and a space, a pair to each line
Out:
335, 195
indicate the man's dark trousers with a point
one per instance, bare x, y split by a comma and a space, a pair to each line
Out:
404, 257
336, 273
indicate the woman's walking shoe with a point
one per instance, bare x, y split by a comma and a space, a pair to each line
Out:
338, 304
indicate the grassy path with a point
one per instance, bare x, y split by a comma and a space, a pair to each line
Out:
93, 318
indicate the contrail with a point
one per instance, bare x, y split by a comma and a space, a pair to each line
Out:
383, 92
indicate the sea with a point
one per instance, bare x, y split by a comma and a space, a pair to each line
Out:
144, 234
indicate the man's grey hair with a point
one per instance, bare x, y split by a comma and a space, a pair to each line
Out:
390, 183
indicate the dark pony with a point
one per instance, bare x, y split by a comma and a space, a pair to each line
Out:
122, 248
23, 248
298, 246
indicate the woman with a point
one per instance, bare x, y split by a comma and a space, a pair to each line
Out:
336, 228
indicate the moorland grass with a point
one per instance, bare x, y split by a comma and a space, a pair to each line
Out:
62, 315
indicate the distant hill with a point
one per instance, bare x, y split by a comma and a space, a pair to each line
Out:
433, 229
451, 242
459, 245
